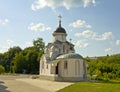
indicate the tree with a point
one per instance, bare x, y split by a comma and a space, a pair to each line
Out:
39, 44
27, 61
2, 69
19, 62
29, 58
107, 67
32, 62
2, 59
8, 57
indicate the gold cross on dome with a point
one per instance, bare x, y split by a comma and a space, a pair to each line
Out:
60, 17
70, 40
59, 20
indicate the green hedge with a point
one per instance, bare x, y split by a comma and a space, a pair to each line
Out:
2, 69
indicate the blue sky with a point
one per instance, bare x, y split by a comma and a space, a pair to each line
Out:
93, 25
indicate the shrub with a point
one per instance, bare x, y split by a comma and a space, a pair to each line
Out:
2, 69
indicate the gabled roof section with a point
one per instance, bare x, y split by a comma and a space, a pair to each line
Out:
57, 42
70, 55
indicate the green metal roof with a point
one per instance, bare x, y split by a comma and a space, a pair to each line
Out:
70, 55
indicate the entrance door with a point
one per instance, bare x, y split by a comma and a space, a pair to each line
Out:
56, 70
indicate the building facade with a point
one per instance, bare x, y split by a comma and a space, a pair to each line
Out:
60, 62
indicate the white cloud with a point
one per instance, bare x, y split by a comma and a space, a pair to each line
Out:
108, 50
105, 36
4, 21
9, 42
38, 4
87, 2
79, 24
86, 34
117, 42
38, 27
81, 44
29, 43
3, 49
93, 35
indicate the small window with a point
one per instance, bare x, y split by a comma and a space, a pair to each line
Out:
67, 50
47, 66
65, 65
42, 64
59, 50
63, 48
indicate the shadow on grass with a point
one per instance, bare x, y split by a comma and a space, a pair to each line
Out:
3, 87
112, 82
106, 81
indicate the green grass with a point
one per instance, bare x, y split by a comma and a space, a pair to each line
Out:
111, 86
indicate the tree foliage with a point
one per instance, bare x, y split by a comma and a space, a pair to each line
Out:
39, 44
27, 61
23, 61
7, 58
104, 68
2, 69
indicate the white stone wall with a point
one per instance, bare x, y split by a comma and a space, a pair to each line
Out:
74, 68
60, 37
46, 68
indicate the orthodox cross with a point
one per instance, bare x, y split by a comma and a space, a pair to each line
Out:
60, 17
70, 40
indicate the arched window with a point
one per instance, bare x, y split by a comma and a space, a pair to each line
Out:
65, 64
63, 48
67, 50
59, 50
47, 66
43, 64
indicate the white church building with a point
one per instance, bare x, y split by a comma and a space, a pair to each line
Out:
59, 61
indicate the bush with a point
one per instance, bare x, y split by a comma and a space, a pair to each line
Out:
2, 69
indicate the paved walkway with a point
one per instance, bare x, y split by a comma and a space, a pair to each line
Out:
52, 86
20, 84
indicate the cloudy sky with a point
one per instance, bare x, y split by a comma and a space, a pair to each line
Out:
93, 25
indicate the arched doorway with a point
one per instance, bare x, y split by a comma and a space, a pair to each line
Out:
56, 69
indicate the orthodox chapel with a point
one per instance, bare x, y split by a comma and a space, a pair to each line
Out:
59, 61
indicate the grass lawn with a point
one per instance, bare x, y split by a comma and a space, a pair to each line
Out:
111, 86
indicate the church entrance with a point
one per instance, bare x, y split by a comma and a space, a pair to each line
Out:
56, 70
